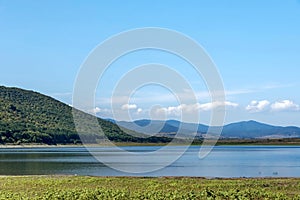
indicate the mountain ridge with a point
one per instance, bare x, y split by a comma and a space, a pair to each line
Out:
27, 116
244, 129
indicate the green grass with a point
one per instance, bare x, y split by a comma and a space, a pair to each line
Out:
76, 187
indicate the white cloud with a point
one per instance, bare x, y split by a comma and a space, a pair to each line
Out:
129, 107
285, 105
95, 110
217, 104
258, 106
171, 110
139, 110
189, 108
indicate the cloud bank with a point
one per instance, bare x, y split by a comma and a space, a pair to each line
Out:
264, 105
129, 107
258, 106
188, 108
285, 105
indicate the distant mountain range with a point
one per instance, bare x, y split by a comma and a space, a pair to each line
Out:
242, 130
31, 117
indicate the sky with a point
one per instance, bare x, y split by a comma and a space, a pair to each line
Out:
255, 46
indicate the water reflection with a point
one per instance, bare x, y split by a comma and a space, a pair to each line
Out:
224, 161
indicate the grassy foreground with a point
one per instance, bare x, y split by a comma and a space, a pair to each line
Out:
76, 187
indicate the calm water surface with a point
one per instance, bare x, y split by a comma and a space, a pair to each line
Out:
224, 161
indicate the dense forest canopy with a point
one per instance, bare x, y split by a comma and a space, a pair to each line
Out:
31, 117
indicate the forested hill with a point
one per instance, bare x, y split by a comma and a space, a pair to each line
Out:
31, 117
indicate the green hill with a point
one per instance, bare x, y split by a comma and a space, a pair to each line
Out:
31, 117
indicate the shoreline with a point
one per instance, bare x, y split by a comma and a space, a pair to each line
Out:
12, 146
221, 142
147, 177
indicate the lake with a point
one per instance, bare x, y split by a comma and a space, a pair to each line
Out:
223, 161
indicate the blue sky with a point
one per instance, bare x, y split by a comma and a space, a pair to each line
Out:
254, 44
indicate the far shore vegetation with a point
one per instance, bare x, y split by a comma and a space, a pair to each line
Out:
221, 142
